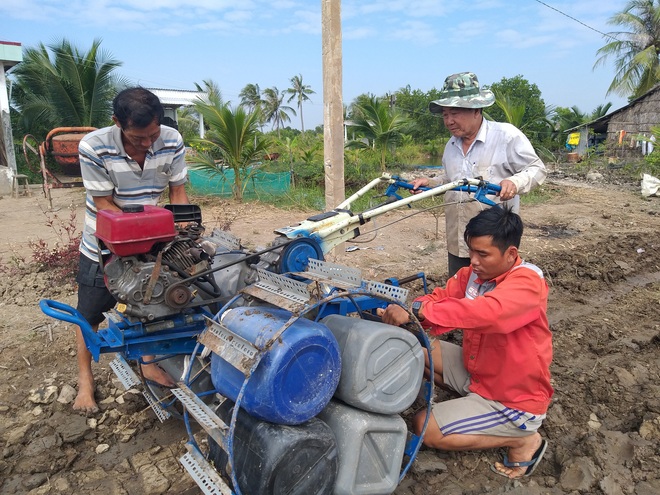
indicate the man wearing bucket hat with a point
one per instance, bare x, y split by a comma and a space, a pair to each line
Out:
496, 151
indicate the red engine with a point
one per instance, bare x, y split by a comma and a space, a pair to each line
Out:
136, 229
151, 256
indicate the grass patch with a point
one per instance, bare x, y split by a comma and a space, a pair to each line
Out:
539, 195
304, 198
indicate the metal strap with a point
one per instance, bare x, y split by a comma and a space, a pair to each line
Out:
337, 275
199, 469
275, 299
231, 347
126, 375
207, 419
380, 289
158, 410
284, 286
225, 239
280, 291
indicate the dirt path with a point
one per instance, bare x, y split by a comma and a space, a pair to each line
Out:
598, 244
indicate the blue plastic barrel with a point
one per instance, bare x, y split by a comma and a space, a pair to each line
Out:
297, 375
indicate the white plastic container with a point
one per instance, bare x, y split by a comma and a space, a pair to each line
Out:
382, 365
370, 448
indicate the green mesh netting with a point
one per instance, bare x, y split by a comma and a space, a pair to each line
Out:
258, 184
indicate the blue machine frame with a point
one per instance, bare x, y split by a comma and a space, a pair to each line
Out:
178, 335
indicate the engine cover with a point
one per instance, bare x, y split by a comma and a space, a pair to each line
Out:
135, 229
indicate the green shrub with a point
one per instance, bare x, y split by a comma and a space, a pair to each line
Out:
651, 164
62, 257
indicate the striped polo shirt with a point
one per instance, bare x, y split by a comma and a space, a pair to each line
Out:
108, 170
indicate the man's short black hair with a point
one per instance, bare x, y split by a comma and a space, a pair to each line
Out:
505, 227
170, 122
137, 107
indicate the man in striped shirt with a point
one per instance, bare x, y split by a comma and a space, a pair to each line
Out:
131, 162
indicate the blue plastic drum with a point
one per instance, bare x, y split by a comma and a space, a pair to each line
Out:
297, 376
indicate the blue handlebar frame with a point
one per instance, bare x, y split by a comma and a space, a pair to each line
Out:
480, 192
64, 312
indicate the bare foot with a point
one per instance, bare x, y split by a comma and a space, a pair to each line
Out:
523, 453
155, 373
85, 402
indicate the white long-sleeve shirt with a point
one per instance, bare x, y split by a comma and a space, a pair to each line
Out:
500, 151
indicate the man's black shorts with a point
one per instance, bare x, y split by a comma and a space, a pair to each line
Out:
93, 296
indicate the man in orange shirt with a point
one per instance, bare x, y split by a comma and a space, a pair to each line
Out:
502, 369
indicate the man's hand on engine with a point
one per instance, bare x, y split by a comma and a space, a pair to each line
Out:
394, 315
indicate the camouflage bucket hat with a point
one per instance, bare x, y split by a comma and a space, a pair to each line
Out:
462, 90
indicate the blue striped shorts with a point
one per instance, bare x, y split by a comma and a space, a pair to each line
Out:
472, 414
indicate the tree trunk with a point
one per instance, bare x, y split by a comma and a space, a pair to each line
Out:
302, 124
238, 185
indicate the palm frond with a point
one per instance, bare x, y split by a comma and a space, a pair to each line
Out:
635, 51
62, 86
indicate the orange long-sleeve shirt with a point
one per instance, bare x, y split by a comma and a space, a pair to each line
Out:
507, 343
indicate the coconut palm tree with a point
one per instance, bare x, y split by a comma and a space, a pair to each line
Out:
274, 109
187, 117
233, 140
513, 110
525, 117
517, 113
61, 86
571, 117
301, 93
381, 124
212, 90
635, 51
567, 118
188, 121
250, 96
601, 110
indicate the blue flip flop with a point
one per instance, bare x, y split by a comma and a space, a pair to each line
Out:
530, 465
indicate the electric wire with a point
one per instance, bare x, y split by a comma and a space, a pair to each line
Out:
578, 21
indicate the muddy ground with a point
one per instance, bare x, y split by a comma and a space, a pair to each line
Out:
596, 239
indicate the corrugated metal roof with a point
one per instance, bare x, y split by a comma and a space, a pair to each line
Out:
178, 97
602, 121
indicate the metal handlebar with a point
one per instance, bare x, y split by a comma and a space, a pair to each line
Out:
64, 312
480, 190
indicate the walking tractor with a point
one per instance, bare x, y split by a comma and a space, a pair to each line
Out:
279, 356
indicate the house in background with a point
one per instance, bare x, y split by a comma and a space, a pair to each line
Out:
11, 54
621, 129
172, 99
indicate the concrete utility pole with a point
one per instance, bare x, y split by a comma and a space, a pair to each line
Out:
333, 108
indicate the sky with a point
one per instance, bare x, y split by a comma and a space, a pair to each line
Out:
386, 44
